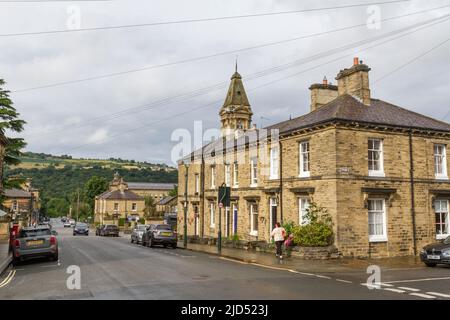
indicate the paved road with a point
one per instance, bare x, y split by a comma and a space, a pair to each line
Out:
113, 268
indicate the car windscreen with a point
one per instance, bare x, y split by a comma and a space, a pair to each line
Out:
34, 233
447, 240
163, 227
111, 227
81, 225
141, 228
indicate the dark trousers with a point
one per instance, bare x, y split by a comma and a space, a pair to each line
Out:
279, 244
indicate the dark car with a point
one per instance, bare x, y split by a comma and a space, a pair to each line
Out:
35, 242
81, 228
110, 230
159, 234
99, 229
436, 253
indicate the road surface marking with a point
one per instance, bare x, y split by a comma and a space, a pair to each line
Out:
439, 294
419, 280
409, 289
422, 295
394, 290
293, 271
345, 281
375, 284
324, 277
8, 279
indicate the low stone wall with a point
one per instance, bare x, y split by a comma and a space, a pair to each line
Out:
307, 253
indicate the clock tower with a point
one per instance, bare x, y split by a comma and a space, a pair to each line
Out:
235, 114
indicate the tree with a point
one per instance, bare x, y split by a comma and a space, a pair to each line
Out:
150, 207
93, 187
9, 121
174, 191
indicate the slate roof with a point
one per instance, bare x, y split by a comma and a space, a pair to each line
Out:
348, 108
120, 195
150, 186
16, 193
236, 95
166, 200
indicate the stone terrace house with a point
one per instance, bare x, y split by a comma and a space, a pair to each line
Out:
380, 170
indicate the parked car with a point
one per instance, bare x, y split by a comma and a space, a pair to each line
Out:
436, 253
72, 222
35, 242
63, 219
99, 229
159, 234
81, 228
110, 230
136, 235
67, 224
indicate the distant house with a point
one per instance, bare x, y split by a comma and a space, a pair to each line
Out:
167, 205
127, 199
23, 203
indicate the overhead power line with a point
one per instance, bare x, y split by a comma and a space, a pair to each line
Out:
268, 71
250, 90
223, 53
244, 16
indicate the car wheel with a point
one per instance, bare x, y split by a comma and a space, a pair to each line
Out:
132, 241
15, 261
430, 264
54, 257
174, 246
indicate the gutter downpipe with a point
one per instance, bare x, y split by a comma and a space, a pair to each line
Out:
281, 179
413, 208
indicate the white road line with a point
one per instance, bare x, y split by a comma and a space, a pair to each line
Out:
307, 274
8, 278
233, 260
377, 284
394, 290
324, 277
409, 289
439, 294
422, 295
419, 280
345, 281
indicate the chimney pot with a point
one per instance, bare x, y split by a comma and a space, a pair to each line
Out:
355, 61
325, 81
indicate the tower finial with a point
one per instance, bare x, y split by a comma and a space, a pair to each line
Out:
236, 64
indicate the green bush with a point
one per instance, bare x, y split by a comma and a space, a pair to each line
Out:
318, 231
141, 221
288, 226
121, 222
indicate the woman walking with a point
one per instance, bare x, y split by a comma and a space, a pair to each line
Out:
278, 234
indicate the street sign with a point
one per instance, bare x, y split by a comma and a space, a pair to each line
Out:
224, 196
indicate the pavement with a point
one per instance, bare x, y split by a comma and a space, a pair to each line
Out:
114, 268
5, 256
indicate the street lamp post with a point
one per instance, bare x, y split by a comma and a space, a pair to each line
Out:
185, 205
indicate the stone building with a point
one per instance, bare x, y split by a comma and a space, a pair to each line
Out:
127, 199
380, 170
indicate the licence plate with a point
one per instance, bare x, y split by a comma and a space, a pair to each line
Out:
35, 242
433, 257
167, 234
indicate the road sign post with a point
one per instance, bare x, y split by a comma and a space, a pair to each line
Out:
224, 201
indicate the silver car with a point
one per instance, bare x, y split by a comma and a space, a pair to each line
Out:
35, 242
136, 235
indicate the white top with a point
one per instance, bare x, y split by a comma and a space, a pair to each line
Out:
277, 234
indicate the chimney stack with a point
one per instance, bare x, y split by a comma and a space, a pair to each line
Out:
322, 93
355, 81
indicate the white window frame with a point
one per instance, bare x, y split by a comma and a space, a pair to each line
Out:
213, 177
235, 175
274, 162
134, 206
302, 209
253, 175
380, 172
233, 226
253, 232
383, 237
272, 203
443, 235
227, 169
212, 215
443, 174
303, 173
197, 183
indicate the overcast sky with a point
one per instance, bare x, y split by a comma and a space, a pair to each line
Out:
73, 119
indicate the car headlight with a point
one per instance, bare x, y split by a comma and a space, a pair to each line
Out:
446, 253
423, 251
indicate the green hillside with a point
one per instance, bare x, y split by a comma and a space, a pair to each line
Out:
58, 178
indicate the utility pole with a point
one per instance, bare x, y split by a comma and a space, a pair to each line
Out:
78, 202
185, 205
